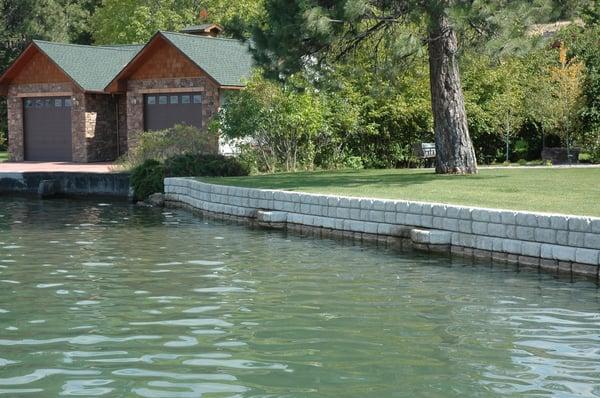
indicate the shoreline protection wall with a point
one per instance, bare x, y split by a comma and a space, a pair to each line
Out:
48, 184
554, 243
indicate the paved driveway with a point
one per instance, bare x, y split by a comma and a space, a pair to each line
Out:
23, 167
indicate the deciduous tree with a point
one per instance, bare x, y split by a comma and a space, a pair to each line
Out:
567, 78
134, 21
280, 123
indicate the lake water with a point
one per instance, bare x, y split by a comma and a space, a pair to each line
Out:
105, 299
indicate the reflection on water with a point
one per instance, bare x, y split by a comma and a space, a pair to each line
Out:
110, 300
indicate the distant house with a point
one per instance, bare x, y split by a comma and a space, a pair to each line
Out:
85, 103
549, 30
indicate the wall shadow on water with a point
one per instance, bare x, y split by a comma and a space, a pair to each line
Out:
32, 213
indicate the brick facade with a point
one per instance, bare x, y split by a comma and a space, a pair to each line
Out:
135, 100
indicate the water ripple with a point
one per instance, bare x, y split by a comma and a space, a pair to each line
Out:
41, 373
88, 309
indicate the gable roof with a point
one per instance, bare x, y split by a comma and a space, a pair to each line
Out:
91, 67
228, 61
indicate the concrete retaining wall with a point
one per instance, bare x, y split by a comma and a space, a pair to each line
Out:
68, 183
551, 242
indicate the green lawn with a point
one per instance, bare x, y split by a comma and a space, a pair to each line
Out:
557, 190
3, 156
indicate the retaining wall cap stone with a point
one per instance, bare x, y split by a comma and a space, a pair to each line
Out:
587, 256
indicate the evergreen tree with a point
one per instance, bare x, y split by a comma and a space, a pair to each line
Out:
306, 32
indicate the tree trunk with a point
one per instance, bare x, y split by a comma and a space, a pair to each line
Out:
507, 141
454, 149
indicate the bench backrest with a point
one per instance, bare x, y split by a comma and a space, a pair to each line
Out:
424, 150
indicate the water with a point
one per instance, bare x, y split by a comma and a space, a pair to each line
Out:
111, 300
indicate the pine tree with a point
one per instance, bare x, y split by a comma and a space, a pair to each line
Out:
298, 33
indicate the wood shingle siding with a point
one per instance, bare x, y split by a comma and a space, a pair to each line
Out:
39, 69
163, 61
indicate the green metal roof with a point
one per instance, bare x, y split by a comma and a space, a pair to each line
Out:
91, 67
227, 61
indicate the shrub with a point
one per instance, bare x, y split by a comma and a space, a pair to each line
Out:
280, 122
521, 149
585, 157
162, 144
205, 165
147, 178
354, 162
522, 162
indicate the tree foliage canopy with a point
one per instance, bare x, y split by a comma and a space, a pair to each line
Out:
135, 21
324, 31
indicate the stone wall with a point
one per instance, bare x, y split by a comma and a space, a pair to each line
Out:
78, 125
68, 183
548, 242
135, 100
122, 133
101, 127
16, 147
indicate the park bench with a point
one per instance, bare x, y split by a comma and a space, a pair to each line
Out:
426, 152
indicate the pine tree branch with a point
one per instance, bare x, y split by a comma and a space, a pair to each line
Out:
358, 39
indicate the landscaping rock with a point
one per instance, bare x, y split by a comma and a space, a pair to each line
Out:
156, 200
272, 216
431, 237
48, 188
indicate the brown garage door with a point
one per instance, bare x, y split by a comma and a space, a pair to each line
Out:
47, 128
162, 111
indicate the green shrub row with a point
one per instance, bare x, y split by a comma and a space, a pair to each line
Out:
208, 165
148, 177
164, 144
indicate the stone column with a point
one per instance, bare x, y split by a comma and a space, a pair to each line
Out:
16, 150
78, 142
